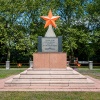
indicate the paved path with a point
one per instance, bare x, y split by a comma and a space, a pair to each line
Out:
46, 88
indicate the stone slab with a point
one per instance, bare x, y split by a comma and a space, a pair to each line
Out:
49, 72
49, 60
49, 44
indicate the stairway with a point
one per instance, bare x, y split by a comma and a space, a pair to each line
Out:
47, 78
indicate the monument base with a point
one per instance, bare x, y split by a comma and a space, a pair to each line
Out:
49, 60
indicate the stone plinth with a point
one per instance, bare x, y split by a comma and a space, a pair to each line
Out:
49, 60
7, 64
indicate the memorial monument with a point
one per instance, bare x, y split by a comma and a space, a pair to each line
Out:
50, 64
49, 53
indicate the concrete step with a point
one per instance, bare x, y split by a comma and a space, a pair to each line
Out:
56, 81
48, 72
39, 79
51, 76
50, 82
63, 84
48, 69
51, 86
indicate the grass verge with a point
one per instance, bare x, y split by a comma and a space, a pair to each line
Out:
95, 73
13, 71
50, 95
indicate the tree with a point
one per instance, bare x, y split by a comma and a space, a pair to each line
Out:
14, 32
20, 25
93, 13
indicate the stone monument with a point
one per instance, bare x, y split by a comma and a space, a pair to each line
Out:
49, 53
51, 62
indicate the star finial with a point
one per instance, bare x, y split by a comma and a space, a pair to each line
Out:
50, 19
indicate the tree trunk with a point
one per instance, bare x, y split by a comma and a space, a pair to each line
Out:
8, 55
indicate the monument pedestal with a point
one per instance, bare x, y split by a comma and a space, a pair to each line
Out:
49, 60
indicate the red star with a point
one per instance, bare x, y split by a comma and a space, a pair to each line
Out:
50, 19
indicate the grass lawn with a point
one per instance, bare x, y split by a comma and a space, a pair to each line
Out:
13, 71
95, 73
49, 95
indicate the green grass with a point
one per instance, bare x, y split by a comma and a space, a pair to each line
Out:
95, 73
13, 71
49, 95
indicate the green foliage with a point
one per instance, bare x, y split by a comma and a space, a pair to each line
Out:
20, 25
